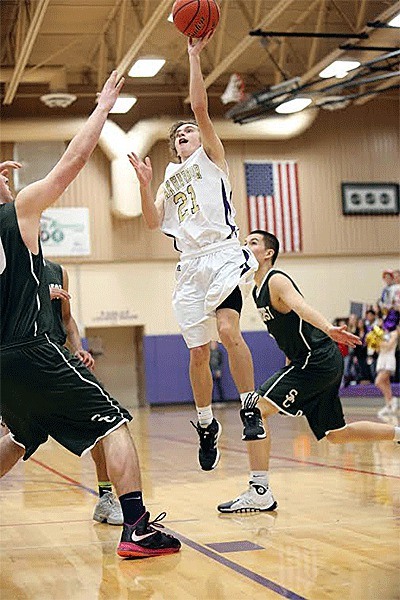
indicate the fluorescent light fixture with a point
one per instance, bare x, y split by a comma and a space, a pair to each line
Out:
170, 18
339, 69
293, 106
123, 104
395, 22
146, 67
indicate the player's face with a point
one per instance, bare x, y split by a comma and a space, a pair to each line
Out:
255, 242
5, 192
187, 140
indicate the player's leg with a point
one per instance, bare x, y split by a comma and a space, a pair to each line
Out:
71, 391
364, 431
382, 382
240, 364
10, 453
107, 509
207, 427
258, 496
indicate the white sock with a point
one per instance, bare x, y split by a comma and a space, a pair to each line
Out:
396, 434
249, 399
261, 477
204, 415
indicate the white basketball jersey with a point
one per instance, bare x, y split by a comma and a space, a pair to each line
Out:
198, 210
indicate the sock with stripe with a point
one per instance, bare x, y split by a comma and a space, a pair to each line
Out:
104, 487
249, 399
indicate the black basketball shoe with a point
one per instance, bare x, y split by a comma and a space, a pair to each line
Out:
253, 426
142, 539
208, 451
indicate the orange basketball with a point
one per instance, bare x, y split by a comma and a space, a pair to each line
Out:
195, 18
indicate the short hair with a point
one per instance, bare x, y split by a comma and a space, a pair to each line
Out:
271, 242
172, 133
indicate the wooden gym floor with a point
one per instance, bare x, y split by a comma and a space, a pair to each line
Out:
336, 534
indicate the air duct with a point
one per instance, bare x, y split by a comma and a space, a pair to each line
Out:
116, 144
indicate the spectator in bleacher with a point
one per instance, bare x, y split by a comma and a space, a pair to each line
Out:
385, 367
395, 290
373, 339
344, 350
362, 372
385, 300
350, 360
370, 319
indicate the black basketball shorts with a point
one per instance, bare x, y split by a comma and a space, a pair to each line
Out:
312, 391
45, 391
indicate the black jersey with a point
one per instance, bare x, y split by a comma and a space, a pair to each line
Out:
54, 277
24, 293
297, 338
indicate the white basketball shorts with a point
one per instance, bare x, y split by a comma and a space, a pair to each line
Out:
203, 281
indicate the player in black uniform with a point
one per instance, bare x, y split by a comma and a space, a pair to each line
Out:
65, 331
44, 389
309, 383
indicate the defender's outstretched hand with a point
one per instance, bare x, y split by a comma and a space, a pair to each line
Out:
341, 336
143, 169
110, 92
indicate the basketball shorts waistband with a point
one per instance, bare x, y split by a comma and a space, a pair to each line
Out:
36, 341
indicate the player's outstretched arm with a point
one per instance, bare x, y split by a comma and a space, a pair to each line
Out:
285, 297
199, 103
153, 211
35, 198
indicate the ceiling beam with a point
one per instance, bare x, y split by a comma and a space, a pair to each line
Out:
315, 42
26, 50
121, 31
110, 18
158, 14
335, 54
373, 93
221, 32
246, 42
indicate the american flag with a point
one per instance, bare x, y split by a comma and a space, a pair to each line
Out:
273, 201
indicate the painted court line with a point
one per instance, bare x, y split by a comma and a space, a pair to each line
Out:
267, 583
287, 458
263, 581
55, 472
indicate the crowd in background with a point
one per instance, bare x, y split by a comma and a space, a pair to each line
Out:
374, 329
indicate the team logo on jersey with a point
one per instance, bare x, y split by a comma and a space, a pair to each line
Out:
107, 418
290, 398
178, 181
265, 313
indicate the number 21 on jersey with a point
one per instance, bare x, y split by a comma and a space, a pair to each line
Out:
186, 203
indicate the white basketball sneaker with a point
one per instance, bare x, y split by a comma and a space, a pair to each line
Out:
386, 412
108, 510
257, 498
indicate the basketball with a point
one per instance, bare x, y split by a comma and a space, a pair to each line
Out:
195, 18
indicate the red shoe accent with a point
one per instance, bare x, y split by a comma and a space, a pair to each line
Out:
128, 550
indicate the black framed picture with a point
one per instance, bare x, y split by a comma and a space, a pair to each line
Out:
370, 198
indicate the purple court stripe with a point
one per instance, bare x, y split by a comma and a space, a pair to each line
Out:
278, 457
267, 583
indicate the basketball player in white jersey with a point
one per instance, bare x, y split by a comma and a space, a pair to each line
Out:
194, 206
